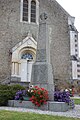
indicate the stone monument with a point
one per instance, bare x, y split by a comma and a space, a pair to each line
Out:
42, 73
42, 70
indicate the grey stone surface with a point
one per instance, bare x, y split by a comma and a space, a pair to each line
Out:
12, 31
42, 69
26, 104
41, 55
51, 106
58, 106
15, 79
40, 73
11, 103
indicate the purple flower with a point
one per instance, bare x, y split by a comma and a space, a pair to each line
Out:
62, 96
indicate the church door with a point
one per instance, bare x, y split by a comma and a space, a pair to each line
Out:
26, 68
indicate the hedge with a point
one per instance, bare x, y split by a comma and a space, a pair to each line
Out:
8, 92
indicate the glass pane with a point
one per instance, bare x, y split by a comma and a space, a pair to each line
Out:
33, 20
25, 18
33, 11
33, 15
27, 55
33, 7
33, 2
25, 1
25, 5
25, 10
25, 14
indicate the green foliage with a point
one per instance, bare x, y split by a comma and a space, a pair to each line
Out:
7, 115
4, 87
8, 93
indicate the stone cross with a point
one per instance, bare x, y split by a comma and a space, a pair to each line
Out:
42, 69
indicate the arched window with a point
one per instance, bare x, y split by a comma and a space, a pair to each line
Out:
27, 56
29, 11
33, 11
25, 10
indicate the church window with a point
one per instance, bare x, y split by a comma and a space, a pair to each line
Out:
78, 75
33, 11
27, 56
25, 10
29, 11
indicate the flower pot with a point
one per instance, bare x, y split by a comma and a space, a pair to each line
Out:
26, 98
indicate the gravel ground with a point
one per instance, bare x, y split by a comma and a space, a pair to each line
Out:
71, 113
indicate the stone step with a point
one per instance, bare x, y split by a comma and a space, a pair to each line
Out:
17, 80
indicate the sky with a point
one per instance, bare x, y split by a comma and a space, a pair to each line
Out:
73, 8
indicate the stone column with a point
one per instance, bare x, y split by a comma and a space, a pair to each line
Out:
13, 68
16, 68
19, 69
42, 69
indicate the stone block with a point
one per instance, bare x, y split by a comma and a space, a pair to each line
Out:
58, 106
11, 103
26, 104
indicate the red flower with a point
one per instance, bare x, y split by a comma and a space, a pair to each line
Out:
30, 99
36, 87
33, 97
41, 101
45, 102
39, 96
42, 88
38, 105
39, 92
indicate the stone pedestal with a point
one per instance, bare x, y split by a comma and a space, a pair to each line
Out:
42, 77
51, 106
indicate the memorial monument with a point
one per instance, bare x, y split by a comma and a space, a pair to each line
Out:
42, 69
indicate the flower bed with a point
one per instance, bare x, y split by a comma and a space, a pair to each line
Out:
64, 97
38, 96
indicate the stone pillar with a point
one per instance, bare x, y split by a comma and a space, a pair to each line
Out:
19, 69
16, 68
42, 69
13, 68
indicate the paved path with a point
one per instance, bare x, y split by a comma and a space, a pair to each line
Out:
71, 113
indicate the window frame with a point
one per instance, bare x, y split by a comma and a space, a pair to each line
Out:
29, 12
25, 12
33, 14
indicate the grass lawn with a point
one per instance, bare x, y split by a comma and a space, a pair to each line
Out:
10, 115
76, 101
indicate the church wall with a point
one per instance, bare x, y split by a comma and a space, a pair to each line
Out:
59, 41
12, 32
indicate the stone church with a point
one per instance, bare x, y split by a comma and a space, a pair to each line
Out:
19, 34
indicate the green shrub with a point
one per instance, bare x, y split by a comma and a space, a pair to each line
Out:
8, 93
4, 87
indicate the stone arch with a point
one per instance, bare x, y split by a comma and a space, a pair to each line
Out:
21, 68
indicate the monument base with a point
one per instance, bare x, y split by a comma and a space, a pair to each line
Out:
50, 106
42, 77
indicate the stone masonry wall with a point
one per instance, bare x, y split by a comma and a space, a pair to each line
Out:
59, 41
13, 31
